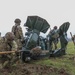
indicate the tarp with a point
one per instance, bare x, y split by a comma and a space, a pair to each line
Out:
38, 23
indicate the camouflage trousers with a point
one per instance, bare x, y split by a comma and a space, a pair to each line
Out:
18, 41
8, 60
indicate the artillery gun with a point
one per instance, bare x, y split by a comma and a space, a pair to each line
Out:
36, 25
31, 48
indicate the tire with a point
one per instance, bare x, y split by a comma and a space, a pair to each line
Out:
25, 56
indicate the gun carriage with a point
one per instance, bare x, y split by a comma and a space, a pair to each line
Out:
36, 25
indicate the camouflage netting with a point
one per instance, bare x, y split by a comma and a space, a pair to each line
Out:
36, 51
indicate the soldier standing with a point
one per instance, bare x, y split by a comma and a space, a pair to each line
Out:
73, 39
17, 30
7, 43
53, 37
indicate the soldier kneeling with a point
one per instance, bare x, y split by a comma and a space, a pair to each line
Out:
7, 43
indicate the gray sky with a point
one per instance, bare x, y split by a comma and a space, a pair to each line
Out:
56, 12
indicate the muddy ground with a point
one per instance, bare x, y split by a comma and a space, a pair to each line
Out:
32, 69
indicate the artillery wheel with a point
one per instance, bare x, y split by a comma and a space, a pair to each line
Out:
25, 57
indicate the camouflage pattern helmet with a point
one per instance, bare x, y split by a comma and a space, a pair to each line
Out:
9, 36
17, 21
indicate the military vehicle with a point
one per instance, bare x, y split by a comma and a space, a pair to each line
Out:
31, 48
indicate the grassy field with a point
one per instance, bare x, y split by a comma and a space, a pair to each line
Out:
64, 65
67, 61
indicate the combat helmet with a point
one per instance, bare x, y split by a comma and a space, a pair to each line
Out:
9, 36
55, 27
17, 21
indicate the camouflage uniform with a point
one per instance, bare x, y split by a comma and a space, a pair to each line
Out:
56, 35
73, 39
7, 43
17, 30
53, 37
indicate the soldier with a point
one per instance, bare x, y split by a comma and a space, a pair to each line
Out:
73, 39
17, 30
56, 37
7, 43
53, 37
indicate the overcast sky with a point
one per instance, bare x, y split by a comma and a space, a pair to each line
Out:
56, 12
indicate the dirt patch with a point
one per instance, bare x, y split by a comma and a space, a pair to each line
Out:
32, 69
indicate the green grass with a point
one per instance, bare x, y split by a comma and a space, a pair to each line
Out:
61, 62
